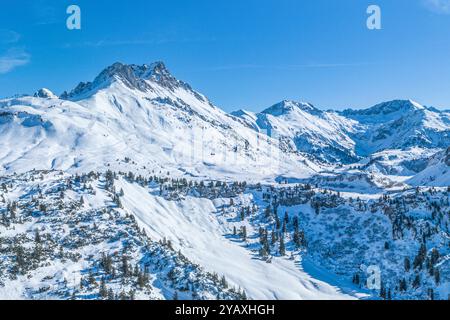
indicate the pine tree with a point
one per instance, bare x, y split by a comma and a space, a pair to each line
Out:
242, 214
435, 255
103, 291
282, 246
295, 223
37, 237
141, 279
273, 237
296, 239
407, 264
403, 285
267, 212
356, 279
416, 282
437, 276
286, 218
125, 267
91, 279
420, 258
20, 258
111, 294
431, 293
277, 223
383, 292
244, 233
223, 282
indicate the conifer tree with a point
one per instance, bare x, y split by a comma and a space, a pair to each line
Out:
111, 294
416, 282
244, 233
437, 276
282, 246
407, 264
102, 290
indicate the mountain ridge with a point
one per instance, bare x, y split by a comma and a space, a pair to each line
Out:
146, 100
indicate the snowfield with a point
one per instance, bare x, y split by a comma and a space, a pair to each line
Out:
197, 227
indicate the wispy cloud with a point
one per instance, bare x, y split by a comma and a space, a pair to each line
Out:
12, 59
9, 36
438, 6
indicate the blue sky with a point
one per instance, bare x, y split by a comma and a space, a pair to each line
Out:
240, 53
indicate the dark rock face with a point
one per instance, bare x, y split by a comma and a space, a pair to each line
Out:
133, 76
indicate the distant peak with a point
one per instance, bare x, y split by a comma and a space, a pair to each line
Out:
45, 93
240, 113
156, 71
132, 75
388, 108
396, 105
287, 106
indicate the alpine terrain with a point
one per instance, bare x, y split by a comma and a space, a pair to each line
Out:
136, 186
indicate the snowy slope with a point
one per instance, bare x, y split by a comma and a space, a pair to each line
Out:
437, 173
202, 232
75, 237
400, 124
304, 128
145, 115
345, 137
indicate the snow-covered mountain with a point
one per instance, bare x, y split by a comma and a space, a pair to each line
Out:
400, 124
145, 114
302, 127
345, 137
136, 186
141, 113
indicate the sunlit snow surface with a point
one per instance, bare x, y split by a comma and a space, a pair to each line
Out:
141, 119
198, 228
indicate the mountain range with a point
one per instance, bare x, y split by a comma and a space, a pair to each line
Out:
144, 112
136, 186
